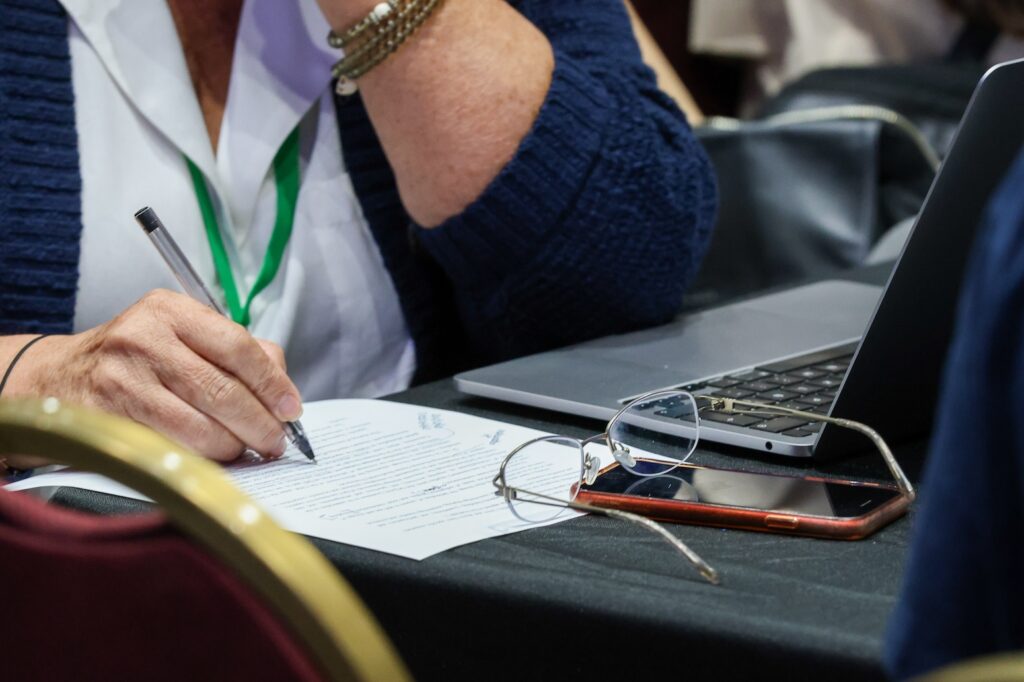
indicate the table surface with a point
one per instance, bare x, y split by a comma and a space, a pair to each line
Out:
597, 597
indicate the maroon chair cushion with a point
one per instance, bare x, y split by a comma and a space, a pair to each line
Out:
105, 598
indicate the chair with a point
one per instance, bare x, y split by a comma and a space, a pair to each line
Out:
996, 668
207, 588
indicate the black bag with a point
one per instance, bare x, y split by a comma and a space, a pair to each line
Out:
932, 96
833, 161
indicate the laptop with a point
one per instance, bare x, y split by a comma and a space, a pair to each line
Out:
839, 348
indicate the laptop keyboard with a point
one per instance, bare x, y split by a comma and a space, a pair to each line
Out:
808, 383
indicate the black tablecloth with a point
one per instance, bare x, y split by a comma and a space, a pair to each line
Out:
596, 597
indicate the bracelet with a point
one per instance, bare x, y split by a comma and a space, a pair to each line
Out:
375, 17
375, 38
394, 22
17, 356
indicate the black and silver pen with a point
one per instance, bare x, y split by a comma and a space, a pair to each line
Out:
194, 287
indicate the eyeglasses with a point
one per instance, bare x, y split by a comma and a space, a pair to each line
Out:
540, 479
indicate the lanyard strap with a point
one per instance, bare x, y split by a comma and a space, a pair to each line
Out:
286, 179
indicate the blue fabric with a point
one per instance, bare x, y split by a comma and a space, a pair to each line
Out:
40, 187
962, 595
596, 225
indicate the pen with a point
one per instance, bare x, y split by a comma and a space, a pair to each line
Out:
194, 287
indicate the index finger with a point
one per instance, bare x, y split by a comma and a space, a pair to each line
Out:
229, 346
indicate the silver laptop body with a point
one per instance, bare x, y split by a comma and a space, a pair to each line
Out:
869, 354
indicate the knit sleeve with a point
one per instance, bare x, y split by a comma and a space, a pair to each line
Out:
40, 184
601, 219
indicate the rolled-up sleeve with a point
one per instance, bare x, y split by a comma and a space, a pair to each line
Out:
602, 217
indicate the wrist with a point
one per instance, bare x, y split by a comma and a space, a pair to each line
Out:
16, 371
21, 362
375, 38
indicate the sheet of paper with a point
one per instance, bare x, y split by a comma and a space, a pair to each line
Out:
403, 479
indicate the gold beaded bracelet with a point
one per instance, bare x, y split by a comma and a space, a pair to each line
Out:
375, 38
376, 16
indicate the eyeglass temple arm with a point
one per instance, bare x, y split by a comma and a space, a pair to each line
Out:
902, 482
705, 569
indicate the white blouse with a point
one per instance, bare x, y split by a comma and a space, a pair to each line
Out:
332, 305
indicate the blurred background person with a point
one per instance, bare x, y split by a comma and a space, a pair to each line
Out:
733, 53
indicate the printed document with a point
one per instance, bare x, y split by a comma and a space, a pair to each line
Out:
403, 479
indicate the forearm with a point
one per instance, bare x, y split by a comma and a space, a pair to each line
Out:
453, 104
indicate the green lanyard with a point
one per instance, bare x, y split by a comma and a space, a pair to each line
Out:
286, 178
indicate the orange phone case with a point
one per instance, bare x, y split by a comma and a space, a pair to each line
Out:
744, 518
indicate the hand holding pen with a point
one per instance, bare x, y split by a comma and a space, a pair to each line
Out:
174, 365
248, 383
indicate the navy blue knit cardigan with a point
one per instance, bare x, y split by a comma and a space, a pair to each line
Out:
596, 225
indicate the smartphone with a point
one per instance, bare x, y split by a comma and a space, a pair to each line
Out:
816, 507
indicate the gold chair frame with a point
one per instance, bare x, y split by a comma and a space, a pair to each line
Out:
1004, 667
322, 611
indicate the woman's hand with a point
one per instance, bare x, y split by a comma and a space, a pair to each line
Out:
176, 366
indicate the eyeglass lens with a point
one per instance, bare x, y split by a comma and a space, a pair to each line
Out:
655, 433
542, 473
649, 437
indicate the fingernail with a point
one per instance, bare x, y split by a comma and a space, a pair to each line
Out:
289, 408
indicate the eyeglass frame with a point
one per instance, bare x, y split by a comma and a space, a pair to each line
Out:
589, 473
715, 403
